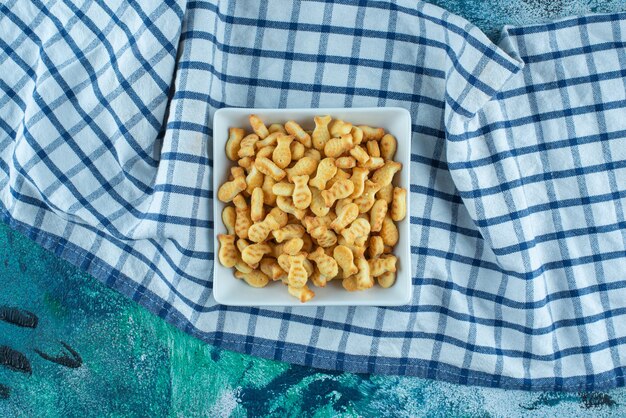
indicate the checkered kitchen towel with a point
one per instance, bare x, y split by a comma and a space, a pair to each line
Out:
518, 172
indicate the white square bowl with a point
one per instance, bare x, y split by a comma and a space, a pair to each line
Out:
228, 290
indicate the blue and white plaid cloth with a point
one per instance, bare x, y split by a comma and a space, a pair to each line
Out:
518, 172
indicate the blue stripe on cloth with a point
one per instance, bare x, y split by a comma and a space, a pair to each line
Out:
518, 232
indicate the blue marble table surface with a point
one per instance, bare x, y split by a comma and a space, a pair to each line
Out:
91, 352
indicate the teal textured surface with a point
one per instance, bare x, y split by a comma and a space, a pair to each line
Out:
135, 364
